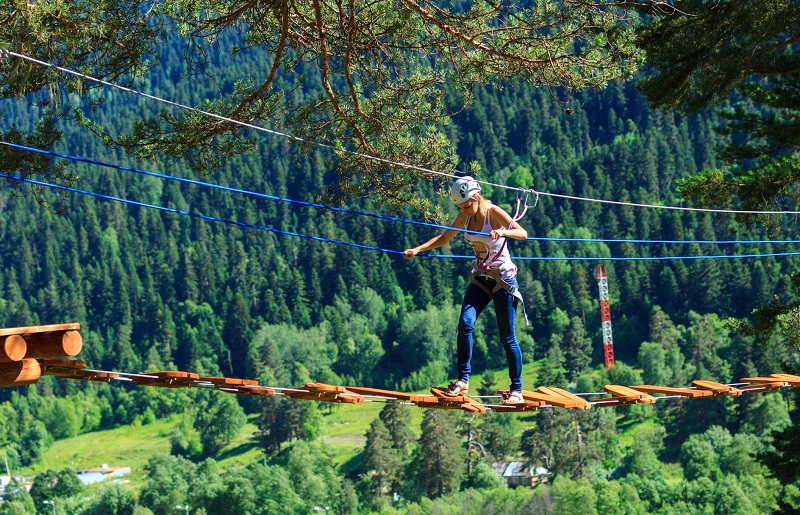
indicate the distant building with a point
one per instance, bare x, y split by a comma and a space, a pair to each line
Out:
519, 473
101, 473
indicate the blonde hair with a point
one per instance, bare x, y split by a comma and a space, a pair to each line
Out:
483, 204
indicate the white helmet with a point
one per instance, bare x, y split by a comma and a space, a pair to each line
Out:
463, 189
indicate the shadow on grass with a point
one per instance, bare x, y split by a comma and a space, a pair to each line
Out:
354, 465
236, 451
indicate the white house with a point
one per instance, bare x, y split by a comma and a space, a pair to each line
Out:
101, 473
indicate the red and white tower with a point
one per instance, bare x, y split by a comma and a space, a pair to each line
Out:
605, 315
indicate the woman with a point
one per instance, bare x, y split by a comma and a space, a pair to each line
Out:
493, 278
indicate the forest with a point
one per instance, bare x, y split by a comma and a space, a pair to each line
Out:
161, 291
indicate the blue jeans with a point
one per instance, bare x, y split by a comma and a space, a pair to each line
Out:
505, 309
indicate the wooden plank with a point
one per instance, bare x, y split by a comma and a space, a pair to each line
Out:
548, 400
525, 406
717, 388
558, 392
53, 344
250, 390
322, 387
666, 390
19, 373
94, 375
389, 394
789, 378
167, 379
40, 329
763, 380
12, 348
628, 395
763, 387
440, 403
441, 396
228, 381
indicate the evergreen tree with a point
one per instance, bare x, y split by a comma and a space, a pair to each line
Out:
440, 466
381, 458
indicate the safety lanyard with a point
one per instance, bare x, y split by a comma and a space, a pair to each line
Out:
517, 215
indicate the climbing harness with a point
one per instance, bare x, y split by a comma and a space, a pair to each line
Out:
489, 279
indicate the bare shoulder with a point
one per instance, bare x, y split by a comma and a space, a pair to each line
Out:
498, 215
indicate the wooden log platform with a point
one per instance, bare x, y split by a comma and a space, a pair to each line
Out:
12, 348
20, 373
46, 341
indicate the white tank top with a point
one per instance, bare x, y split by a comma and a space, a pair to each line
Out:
488, 253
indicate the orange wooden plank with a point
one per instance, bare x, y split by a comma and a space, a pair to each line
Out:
228, 381
442, 397
525, 406
250, 390
789, 378
551, 400
324, 396
94, 375
167, 379
628, 395
717, 388
763, 387
322, 387
763, 380
442, 403
62, 363
558, 392
389, 394
40, 329
666, 390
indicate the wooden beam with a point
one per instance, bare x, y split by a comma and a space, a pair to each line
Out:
19, 373
53, 344
40, 329
12, 348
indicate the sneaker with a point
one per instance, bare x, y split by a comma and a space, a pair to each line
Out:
457, 388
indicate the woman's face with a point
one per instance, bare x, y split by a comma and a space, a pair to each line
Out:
469, 208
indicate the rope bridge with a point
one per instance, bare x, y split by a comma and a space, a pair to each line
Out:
28, 353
